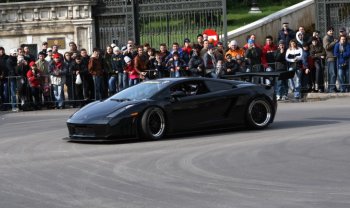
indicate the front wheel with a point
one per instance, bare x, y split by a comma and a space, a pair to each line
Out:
259, 113
153, 123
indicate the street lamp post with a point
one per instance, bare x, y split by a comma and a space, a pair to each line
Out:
255, 9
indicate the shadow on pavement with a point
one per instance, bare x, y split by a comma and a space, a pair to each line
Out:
311, 122
303, 123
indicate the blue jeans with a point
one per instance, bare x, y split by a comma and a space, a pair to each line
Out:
36, 95
112, 85
175, 74
257, 68
123, 81
343, 78
13, 91
4, 92
58, 93
332, 76
319, 80
213, 75
161, 74
282, 88
97, 87
295, 83
133, 82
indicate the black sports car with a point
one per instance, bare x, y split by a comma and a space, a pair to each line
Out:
155, 108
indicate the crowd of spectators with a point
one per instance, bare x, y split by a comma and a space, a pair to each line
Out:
29, 81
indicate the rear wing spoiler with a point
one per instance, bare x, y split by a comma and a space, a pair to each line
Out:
248, 76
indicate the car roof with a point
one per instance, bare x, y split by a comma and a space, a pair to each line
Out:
203, 79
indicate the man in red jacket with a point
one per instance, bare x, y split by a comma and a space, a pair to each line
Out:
33, 76
268, 54
96, 70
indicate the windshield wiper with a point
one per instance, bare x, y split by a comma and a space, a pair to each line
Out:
121, 99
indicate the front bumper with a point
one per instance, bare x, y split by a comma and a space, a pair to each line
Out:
124, 129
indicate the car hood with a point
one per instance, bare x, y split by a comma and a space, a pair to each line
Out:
97, 111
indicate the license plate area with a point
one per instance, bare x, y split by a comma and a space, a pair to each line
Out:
84, 131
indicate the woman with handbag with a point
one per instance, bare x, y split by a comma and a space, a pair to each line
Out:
78, 69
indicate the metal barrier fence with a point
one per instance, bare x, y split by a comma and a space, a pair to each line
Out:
321, 73
17, 91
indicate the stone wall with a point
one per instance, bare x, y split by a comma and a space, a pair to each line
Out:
302, 14
38, 21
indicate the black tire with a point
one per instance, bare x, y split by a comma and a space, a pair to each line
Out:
153, 124
259, 113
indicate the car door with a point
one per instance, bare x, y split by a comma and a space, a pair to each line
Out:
184, 112
222, 99
197, 109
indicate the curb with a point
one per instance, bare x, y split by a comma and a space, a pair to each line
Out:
325, 96
313, 97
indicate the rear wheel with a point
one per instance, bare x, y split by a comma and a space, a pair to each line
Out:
259, 113
153, 123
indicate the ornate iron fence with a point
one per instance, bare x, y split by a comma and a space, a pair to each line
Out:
334, 13
157, 21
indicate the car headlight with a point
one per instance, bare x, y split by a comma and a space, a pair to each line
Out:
120, 110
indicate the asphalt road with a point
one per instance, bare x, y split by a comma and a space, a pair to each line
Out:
302, 160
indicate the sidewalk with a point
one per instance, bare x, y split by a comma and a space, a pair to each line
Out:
311, 97
325, 96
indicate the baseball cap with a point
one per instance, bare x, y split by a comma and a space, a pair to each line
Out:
186, 40
49, 49
116, 48
210, 46
13, 51
56, 55
127, 59
233, 43
32, 63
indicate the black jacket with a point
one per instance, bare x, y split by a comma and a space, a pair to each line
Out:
195, 62
3, 70
11, 65
233, 67
280, 58
118, 63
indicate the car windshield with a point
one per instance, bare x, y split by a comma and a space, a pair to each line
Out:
144, 90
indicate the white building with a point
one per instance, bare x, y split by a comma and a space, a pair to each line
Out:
56, 21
